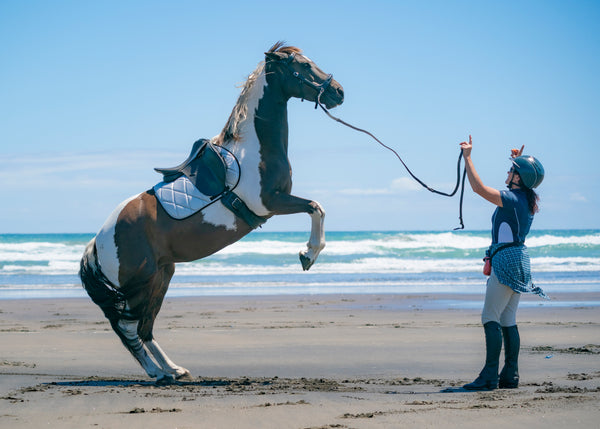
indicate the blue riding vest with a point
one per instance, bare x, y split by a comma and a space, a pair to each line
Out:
511, 224
512, 221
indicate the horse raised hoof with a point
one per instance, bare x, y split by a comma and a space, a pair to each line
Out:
306, 261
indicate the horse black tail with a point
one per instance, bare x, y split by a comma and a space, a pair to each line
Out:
98, 287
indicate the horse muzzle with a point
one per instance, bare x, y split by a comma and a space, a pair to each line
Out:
333, 95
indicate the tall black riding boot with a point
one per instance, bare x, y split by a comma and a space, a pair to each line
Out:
488, 377
509, 376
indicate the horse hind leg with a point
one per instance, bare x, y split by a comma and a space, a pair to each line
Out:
146, 326
112, 302
165, 363
127, 330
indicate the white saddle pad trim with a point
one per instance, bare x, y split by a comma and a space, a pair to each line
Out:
181, 199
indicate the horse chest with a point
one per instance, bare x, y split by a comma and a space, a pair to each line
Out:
251, 163
276, 175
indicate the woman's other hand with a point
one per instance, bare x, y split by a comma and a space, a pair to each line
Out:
514, 153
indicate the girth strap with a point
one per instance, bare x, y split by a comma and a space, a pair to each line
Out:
241, 210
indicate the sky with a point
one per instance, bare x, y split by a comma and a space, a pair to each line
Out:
94, 95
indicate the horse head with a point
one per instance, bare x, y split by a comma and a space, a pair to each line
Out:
299, 77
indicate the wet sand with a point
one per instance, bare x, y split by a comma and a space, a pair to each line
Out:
322, 361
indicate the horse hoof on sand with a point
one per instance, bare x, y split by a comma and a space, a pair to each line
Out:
306, 262
165, 381
186, 376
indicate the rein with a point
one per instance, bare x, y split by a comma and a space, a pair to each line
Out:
459, 182
321, 88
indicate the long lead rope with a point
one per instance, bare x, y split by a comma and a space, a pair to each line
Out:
435, 191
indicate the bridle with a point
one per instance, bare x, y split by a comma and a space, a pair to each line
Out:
322, 87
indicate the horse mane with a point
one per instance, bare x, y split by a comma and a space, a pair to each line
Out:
231, 130
282, 47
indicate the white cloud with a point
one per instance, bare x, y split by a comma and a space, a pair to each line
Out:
101, 168
404, 184
578, 197
365, 191
397, 186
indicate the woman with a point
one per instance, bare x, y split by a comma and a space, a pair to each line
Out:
510, 274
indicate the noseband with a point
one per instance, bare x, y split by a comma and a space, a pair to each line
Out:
320, 88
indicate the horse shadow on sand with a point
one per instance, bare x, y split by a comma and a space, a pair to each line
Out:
259, 383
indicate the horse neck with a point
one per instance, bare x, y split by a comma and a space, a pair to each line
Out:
271, 120
265, 118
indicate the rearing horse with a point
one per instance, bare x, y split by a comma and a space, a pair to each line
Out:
127, 267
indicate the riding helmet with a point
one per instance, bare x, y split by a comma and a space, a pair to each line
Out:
530, 169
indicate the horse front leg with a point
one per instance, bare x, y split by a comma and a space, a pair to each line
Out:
316, 242
280, 204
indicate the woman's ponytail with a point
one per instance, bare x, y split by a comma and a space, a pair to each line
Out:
532, 200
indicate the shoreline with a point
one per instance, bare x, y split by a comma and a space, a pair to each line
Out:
435, 300
296, 361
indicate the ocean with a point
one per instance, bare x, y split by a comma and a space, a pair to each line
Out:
266, 263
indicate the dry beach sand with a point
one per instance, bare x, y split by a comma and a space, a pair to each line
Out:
321, 361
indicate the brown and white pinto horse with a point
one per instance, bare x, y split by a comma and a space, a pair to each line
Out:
127, 267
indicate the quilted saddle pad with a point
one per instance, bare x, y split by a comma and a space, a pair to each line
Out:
181, 199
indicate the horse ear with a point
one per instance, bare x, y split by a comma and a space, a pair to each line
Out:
274, 56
